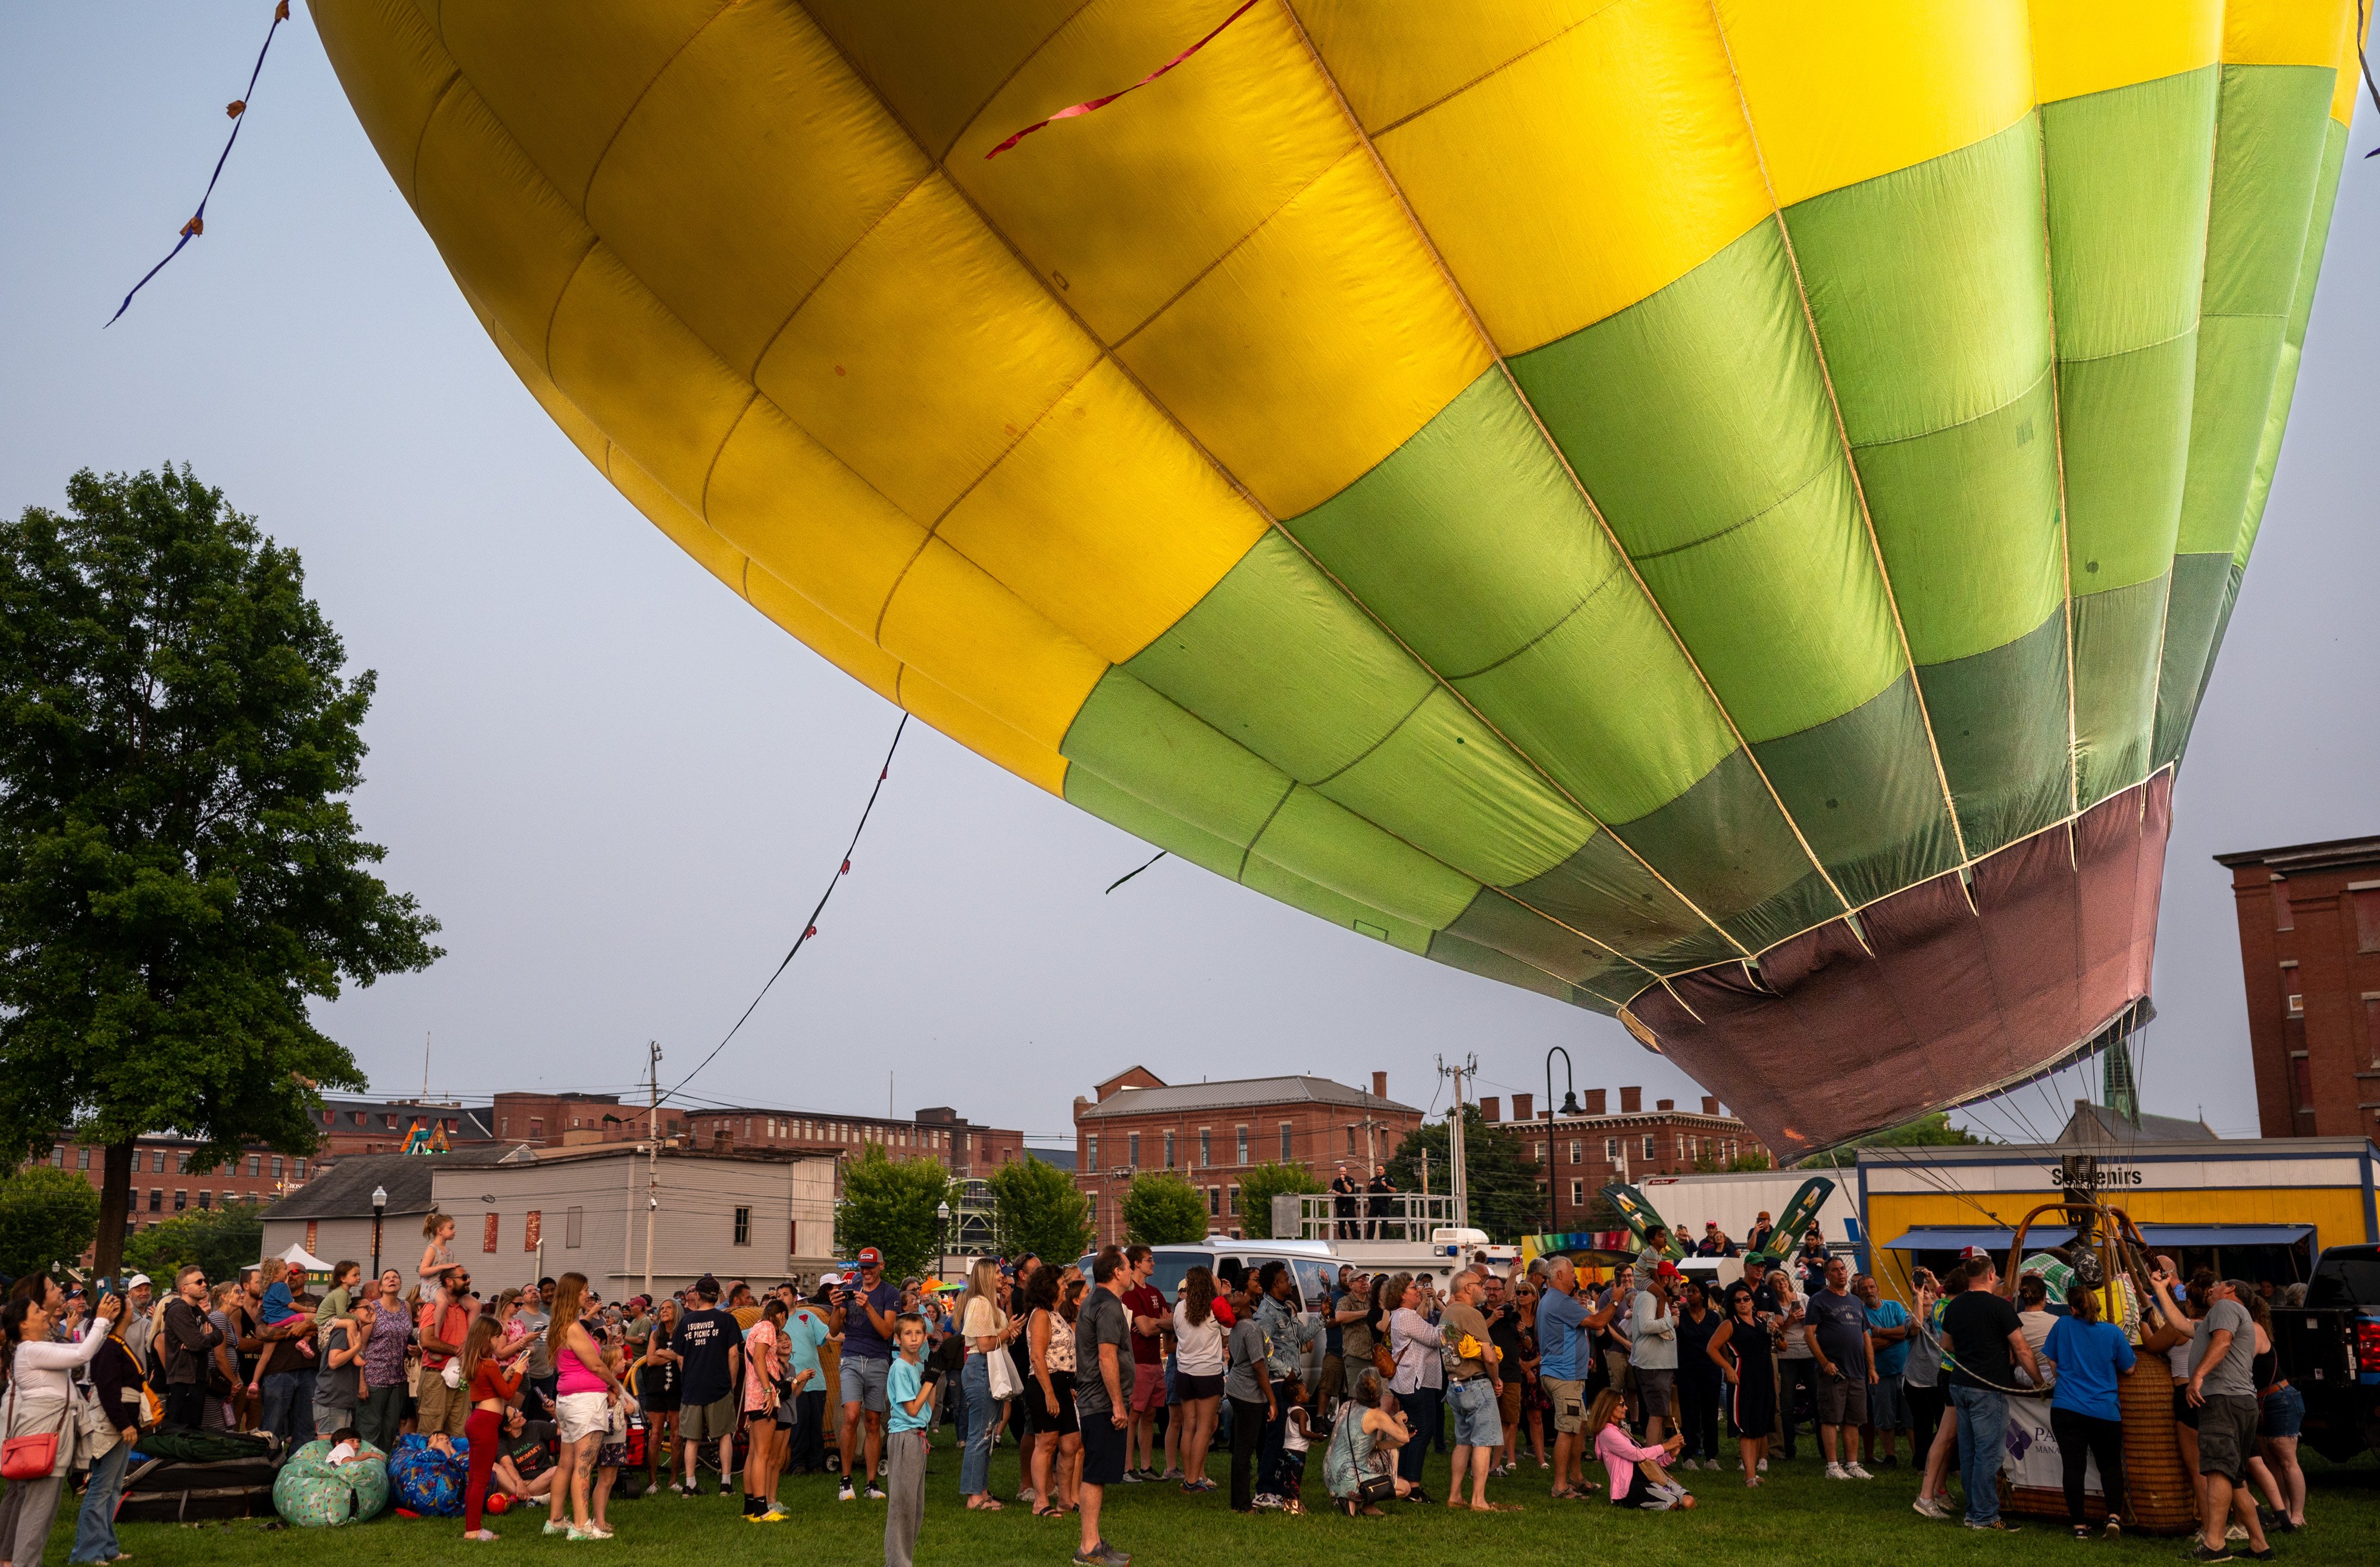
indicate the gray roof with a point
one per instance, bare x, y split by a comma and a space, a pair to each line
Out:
2095, 1125
1237, 1093
1062, 1157
345, 1189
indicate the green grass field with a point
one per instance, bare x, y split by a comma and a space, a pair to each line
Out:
1797, 1516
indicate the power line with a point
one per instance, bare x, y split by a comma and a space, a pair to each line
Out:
809, 927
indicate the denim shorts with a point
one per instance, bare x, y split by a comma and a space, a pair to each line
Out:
2283, 1414
863, 1382
1477, 1422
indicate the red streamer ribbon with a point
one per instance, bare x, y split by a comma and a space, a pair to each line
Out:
1074, 110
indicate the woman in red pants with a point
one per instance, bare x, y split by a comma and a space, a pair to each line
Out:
493, 1385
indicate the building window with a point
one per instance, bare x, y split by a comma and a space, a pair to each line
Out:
1168, 1150
82, 1159
1206, 1147
1244, 1153
301, 1170
1091, 1153
1611, 1150
1132, 1150
157, 1162
574, 1225
206, 1199
1538, 1152
1288, 1131
255, 1165
1649, 1145
156, 1200
2367, 915
743, 1226
1351, 1138
181, 1201
1576, 1149
1232, 1201
1577, 1192
537, 1125
1214, 1202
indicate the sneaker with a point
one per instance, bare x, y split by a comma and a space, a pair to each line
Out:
1265, 1501
1837, 1472
2203, 1553
844, 1493
1997, 1525
553, 1528
1172, 1472
1101, 1555
2115, 1529
1763, 1466
1888, 1461
589, 1533
1134, 1477
874, 1492
1856, 1472
1929, 1507
2236, 1534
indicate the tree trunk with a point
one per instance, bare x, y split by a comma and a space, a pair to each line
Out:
115, 1209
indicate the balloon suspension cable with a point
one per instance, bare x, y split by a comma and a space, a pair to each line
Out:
238, 110
2364, 60
809, 927
1076, 111
1134, 871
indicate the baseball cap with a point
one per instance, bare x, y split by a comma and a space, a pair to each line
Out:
1712, 1224
137, 1280
870, 1257
706, 1287
1666, 1270
1968, 1254
1764, 1213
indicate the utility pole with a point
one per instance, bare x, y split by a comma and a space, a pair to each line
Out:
1461, 1185
653, 1155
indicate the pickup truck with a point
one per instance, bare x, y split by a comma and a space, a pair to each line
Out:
2330, 1351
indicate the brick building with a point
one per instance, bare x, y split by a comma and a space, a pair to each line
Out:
1583, 1153
164, 1184
572, 1120
1209, 1132
2310, 953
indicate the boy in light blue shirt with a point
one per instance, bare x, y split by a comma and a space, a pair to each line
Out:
909, 1390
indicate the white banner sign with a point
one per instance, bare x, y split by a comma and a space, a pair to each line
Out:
2032, 1457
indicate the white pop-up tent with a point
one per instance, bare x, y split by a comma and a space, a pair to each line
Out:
299, 1256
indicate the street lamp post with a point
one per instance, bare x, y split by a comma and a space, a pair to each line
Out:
380, 1207
1569, 1107
942, 1238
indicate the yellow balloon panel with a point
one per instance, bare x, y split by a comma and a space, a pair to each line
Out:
1393, 59
980, 732
953, 621
1587, 174
2082, 46
1121, 220
786, 502
496, 220
930, 324
562, 84
1332, 318
1104, 518
937, 62
640, 372
792, 161
393, 68
1841, 91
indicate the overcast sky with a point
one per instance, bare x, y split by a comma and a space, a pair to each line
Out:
620, 789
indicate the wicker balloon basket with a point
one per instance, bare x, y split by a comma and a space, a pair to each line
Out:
2160, 1498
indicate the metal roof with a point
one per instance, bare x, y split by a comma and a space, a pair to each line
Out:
1234, 1093
344, 1189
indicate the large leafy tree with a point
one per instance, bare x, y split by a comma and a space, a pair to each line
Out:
1260, 1184
1036, 1208
47, 1217
1927, 1131
1506, 1200
180, 874
1161, 1209
219, 1240
891, 1203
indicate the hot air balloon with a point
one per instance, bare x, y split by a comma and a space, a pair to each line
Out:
1715, 511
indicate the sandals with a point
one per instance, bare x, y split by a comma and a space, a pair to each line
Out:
1049, 1513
